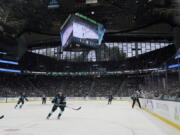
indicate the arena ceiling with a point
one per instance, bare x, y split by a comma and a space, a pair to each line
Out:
134, 18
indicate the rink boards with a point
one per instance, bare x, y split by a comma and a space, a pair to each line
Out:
167, 111
14, 99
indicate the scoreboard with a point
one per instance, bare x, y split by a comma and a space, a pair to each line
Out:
81, 31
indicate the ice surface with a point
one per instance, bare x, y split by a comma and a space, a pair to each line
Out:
95, 118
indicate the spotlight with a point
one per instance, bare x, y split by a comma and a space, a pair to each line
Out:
92, 12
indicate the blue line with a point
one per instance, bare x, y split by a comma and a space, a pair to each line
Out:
10, 70
9, 62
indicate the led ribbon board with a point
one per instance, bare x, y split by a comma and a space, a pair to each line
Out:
82, 31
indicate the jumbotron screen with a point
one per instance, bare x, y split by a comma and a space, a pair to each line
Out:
79, 30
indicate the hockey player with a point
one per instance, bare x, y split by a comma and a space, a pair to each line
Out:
59, 102
44, 99
135, 97
21, 100
110, 98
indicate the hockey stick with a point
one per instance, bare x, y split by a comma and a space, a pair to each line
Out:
1, 116
77, 109
71, 107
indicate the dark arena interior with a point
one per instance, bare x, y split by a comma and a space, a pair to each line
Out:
90, 52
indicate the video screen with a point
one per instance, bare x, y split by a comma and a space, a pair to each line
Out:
81, 31
85, 31
66, 33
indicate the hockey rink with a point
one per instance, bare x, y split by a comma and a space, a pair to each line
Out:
95, 118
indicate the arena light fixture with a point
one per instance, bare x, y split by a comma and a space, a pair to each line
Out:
91, 1
10, 70
174, 66
53, 4
9, 62
4, 53
177, 57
